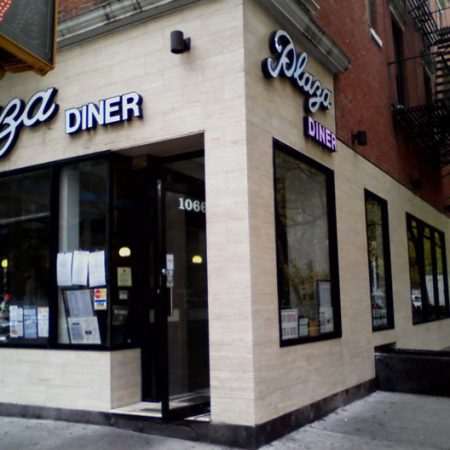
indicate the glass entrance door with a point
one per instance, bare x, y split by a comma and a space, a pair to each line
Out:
183, 314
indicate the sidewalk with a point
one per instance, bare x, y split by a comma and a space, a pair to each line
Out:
381, 421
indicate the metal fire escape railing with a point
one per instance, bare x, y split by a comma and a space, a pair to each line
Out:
424, 20
429, 123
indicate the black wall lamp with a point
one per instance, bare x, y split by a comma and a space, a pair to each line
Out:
359, 137
416, 184
178, 44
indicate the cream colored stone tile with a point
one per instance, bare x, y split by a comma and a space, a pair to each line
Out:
232, 410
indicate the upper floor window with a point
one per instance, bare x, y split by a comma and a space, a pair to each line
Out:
372, 10
372, 14
399, 56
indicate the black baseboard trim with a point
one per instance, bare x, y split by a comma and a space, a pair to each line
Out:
215, 433
424, 372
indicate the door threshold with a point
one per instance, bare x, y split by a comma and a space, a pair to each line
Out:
145, 409
153, 410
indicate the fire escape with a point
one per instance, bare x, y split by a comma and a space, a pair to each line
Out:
429, 123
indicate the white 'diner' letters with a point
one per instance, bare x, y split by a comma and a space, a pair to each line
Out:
16, 114
291, 65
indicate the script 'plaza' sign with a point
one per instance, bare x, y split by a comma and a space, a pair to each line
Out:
42, 107
16, 114
292, 65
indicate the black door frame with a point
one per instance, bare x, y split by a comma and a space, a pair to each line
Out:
161, 296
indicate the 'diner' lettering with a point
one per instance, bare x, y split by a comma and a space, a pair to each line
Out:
107, 112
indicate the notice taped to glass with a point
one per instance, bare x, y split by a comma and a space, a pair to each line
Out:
289, 323
84, 330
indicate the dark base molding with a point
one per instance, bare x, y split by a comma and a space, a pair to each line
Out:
424, 372
216, 433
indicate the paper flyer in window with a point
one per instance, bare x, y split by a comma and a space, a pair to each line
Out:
30, 322
43, 316
64, 269
124, 278
97, 274
303, 327
79, 303
15, 321
289, 323
325, 306
324, 290
84, 330
80, 264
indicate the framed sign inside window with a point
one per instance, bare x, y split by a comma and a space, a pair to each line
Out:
28, 34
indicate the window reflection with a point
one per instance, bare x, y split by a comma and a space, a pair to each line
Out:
429, 290
379, 265
24, 242
305, 281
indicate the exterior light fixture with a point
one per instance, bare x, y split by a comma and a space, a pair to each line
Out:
416, 184
178, 44
124, 252
359, 137
197, 259
4, 263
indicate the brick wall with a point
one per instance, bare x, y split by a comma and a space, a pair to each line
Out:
69, 8
364, 95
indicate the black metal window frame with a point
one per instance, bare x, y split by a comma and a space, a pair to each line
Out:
421, 225
368, 195
279, 146
55, 171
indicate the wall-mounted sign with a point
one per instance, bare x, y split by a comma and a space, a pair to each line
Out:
16, 114
319, 133
287, 63
106, 112
42, 107
27, 34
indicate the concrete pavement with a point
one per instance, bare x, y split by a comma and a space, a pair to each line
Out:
381, 421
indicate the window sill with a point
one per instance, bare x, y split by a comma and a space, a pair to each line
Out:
424, 321
376, 38
310, 339
386, 328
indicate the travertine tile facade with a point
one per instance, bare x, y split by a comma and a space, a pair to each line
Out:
291, 377
217, 90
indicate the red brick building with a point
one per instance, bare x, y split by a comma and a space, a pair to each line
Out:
387, 44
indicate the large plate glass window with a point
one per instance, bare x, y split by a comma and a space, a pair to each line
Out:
81, 260
428, 271
24, 242
306, 248
379, 262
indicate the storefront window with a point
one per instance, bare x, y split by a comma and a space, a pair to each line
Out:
306, 249
24, 256
379, 262
427, 265
81, 262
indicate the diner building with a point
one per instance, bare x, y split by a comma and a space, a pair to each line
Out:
213, 212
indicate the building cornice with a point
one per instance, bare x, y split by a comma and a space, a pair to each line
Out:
293, 16
300, 24
112, 15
